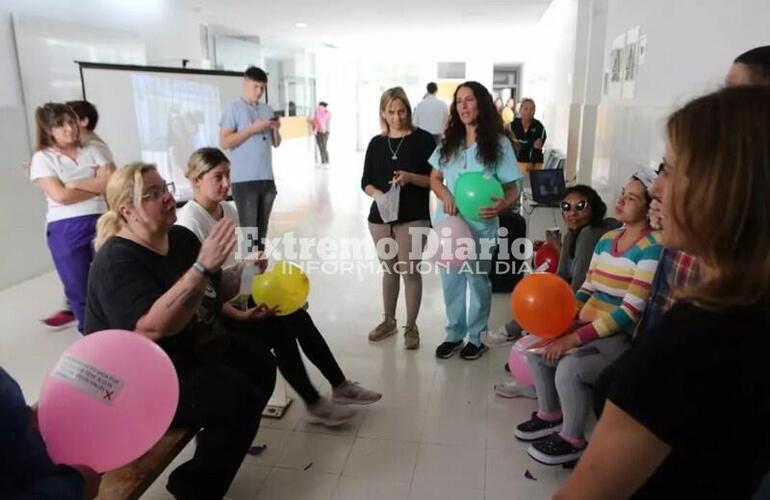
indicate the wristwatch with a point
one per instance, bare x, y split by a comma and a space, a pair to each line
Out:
202, 269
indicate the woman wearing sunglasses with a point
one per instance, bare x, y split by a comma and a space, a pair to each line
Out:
584, 213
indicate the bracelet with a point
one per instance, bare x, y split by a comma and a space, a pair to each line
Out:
202, 269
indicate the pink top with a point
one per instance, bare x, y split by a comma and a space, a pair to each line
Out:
321, 120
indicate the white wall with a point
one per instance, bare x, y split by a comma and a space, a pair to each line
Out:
22, 217
549, 70
170, 32
690, 45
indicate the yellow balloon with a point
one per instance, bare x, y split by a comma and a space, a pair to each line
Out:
285, 287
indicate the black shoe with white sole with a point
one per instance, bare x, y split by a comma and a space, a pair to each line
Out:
554, 450
448, 349
536, 428
473, 351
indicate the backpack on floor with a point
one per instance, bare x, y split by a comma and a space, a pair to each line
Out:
504, 276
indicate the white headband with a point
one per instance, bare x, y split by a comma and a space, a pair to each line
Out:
646, 176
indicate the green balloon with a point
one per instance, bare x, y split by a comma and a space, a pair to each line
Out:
475, 190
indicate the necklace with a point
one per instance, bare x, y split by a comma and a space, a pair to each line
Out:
395, 153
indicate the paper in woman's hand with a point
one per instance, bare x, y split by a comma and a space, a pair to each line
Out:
387, 204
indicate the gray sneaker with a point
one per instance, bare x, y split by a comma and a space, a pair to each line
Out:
330, 414
350, 393
411, 337
384, 330
513, 390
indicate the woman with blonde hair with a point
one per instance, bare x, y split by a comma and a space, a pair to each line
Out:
396, 176
209, 173
73, 178
687, 410
158, 280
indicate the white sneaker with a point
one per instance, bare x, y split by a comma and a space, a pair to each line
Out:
513, 390
497, 338
330, 414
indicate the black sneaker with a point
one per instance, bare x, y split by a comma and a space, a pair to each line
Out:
536, 428
554, 450
448, 349
472, 351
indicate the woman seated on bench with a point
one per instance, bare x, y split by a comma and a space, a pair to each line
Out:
209, 172
158, 280
611, 300
679, 420
583, 212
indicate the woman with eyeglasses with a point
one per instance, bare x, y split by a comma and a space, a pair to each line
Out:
687, 410
611, 301
158, 280
584, 213
73, 178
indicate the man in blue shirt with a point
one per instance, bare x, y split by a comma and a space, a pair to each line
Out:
249, 130
26, 470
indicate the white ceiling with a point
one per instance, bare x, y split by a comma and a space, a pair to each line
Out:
377, 26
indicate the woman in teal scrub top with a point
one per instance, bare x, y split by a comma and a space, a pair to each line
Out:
473, 141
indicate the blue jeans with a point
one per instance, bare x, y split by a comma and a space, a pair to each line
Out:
470, 320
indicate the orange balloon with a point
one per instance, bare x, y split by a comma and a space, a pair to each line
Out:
544, 305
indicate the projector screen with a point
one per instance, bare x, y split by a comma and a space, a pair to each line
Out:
158, 115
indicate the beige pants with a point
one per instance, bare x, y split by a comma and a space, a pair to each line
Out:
401, 265
526, 167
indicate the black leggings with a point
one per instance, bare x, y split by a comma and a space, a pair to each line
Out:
226, 400
282, 334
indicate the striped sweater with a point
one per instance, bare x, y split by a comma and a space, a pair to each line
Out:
617, 286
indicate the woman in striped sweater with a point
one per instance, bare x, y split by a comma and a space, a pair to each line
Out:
611, 301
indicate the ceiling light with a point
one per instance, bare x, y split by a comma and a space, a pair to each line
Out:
301, 25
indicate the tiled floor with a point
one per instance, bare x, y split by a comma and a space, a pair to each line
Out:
438, 433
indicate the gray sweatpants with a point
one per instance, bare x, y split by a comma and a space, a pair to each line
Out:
566, 383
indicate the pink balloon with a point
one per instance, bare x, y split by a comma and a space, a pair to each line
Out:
109, 399
451, 233
517, 361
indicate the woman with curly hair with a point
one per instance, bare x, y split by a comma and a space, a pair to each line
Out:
473, 142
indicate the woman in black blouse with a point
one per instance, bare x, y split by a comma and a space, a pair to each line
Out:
398, 158
688, 408
529, 137
158, 280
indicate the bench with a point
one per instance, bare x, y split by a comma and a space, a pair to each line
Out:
130, 481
